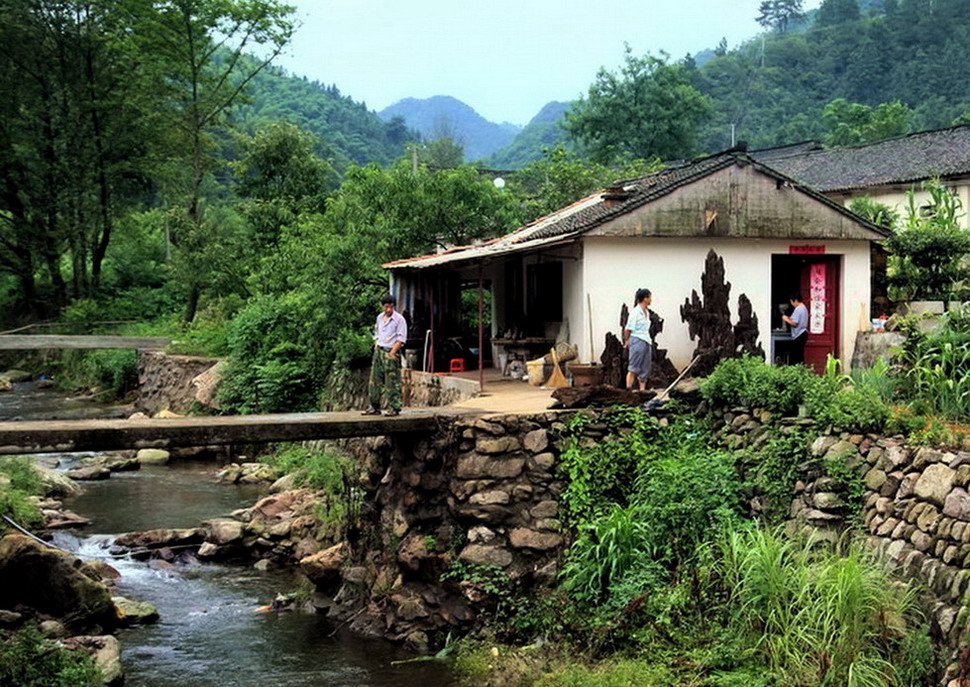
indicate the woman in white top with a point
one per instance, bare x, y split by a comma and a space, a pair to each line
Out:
636, 337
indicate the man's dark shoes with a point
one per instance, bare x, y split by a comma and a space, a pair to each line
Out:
392, 412
371, 411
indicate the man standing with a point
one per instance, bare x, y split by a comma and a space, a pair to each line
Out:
799, 329
390, 335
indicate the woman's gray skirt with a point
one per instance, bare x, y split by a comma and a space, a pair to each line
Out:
641, 358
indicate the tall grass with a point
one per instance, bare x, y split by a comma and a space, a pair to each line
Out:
814, 616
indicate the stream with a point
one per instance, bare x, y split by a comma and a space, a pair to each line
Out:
209, 632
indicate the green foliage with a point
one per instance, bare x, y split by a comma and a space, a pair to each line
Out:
832, 399
772, 470
29, 660
852, 124
749, 381
684, 490
622, 673
326, 472
19, 481
936, 366
561, 178
877, 213
928, 251
113, 372
610, 122
815, 616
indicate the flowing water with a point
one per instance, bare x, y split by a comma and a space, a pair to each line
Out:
210, 633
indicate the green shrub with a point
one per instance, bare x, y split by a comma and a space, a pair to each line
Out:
19, 482
327, 472
851, 408
937, 367
29, 660
772, 470
113, 372
20, 470
748, 381
624, 673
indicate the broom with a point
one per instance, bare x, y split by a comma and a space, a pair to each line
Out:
556, 380
658, 402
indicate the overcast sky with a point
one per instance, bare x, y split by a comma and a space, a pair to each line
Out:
505, 58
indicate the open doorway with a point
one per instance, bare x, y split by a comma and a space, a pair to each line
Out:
818, 279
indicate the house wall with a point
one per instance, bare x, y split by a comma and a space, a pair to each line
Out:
614, 267
898, 199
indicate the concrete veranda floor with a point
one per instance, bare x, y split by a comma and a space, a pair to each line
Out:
502, 395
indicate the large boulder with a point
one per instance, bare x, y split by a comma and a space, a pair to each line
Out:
131, 612
52, 582
153, 456
161, 538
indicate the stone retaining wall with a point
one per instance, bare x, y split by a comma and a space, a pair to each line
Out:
915, 509
165, 382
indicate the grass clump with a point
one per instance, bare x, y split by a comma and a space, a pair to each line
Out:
18, 482
27, 659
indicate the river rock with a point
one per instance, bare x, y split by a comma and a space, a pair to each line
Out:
18, 376
52, 582
10, 618
132, 612
153, 456
160, 538
106, 651
55, 483
63, 519
5, 384
117, 464
101, 570
284, 483
323, 568
222, 531
90, 473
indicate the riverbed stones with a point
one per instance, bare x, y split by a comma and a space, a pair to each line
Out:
323, 568
91, 473
55, 483
131, 612
153, 456
143, 543
106, 651
51, 581
223, 531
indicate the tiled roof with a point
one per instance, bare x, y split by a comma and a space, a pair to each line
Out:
907, 159
594, 210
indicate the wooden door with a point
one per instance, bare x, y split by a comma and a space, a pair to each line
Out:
820, 286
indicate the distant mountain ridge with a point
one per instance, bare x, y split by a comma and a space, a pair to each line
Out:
542, 132
443, 116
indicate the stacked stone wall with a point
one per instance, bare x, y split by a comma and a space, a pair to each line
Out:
165, 382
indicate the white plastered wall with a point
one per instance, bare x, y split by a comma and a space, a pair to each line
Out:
899, 199
613, 269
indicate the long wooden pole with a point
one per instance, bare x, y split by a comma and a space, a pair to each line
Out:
481, 330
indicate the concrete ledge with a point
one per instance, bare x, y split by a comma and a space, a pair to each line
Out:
431, 390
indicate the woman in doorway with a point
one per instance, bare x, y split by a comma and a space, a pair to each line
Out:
636, 337
799, 329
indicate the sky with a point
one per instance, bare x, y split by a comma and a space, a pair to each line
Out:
505, 58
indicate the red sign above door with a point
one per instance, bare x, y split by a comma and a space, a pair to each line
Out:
806, 250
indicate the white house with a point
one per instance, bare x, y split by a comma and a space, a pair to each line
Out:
567, 275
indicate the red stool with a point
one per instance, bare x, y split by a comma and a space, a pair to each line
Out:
457, 365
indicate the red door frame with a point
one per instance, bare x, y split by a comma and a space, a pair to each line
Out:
829, 341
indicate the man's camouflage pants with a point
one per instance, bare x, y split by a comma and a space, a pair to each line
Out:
385, 379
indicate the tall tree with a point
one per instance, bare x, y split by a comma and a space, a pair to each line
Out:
647, 109
780, 14
203, 50
835, 12
854, 124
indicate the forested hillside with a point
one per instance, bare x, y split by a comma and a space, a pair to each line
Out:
774, 88
444, 117
542, 132
348, 132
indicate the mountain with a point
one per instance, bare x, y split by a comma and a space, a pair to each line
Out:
542, 132
442, 116
349, 133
